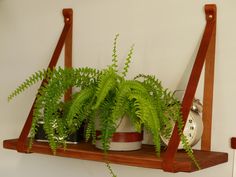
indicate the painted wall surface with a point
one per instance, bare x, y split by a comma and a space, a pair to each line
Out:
166, 34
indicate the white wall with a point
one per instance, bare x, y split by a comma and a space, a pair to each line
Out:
166, 34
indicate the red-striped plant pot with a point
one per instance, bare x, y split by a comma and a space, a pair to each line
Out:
124, 139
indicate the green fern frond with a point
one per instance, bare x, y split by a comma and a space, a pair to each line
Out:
107, 82
109, 168
128, 61
61, 132
168, 112
108, 128
149, 116
164, 101
86, 76
107, 124
121, 99
34, 78
185, 142
49, 98
90, 129
114, 54
77, 105
138, 124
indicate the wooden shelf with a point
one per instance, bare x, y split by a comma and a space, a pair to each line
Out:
142, 158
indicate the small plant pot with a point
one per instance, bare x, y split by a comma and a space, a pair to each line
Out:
74, 138
124, 139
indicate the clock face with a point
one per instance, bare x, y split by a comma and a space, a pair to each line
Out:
192, 130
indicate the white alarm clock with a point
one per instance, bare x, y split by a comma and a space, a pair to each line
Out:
194, 125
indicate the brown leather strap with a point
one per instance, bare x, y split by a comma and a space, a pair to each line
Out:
22, 142
68, 14
210, 10
208, 89
233, 143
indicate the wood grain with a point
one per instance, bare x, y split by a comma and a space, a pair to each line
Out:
145, 157
209, 83
68, 16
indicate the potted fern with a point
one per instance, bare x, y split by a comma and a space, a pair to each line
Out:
104, 96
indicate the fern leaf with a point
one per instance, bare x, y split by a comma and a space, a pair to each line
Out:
114, 53
90, 130
77, 105
128, 61
148, 115
34, 78
106, 83
121, 99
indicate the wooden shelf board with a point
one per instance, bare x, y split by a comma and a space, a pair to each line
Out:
142, 158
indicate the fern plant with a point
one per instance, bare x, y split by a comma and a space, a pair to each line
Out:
107, 95
48, 102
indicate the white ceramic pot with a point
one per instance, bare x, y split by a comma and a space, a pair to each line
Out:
124, 139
